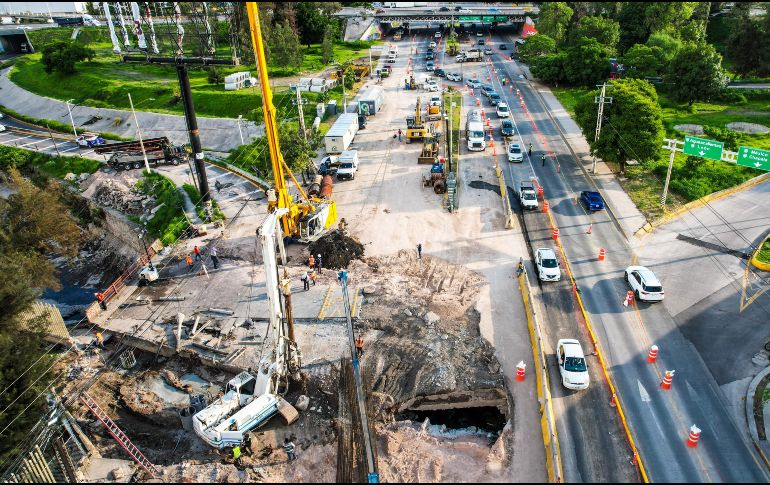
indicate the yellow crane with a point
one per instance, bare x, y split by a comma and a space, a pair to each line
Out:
306, 220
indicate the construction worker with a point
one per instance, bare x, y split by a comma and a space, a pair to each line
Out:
237, 455
399, 135
312, 276
189, 260
530, 150
520, 267
272, 200
311, 262
542, 159
100, 340
305, 281
319, 263
197, 252
100, 299
214, 258
419, 250
290, 448
360, 346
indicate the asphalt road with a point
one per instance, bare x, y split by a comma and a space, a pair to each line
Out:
659, 420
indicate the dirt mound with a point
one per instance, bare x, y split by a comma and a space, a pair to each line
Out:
336, 250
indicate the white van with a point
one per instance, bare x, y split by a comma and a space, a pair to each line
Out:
348, 165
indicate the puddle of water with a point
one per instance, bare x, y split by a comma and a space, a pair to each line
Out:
198, 384
176, 397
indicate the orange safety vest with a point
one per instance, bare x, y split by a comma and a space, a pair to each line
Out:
359, 343
189, 260
311, 261
100, 296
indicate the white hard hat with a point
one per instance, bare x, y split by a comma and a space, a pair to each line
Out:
319, 255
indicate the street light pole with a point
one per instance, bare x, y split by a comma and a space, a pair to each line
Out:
139, 132
69, 110
371, 71
240, 117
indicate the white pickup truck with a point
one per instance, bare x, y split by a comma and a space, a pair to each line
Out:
348, 165
528, 195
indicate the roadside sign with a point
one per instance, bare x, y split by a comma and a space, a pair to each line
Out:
700, 147
754, 158
470, 18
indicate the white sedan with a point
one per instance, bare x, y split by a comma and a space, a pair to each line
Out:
2, 127
572, 364
547, 264
502, 110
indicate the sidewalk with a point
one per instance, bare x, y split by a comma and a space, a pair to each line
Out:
624, 209
219, 134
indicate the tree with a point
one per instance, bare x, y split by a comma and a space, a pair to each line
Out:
747, 43
313, 18
34, 225
696, 73
285, 49
62, 56
537, 45
668, 15
553, 20
632, 126
642, 61
606, 31
327, 47
668, 45
549, 68
587, 63
633, 28
214, 75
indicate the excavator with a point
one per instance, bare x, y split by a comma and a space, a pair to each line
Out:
415, 126
305, 220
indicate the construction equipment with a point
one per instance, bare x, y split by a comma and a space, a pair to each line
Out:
436, 178
415, 127
304, 221
433, 109
250, 401
128, 154
429, 152
360, 71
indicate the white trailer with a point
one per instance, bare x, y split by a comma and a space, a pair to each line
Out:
371, 101
341, 134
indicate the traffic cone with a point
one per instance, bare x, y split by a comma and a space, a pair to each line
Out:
612, 402
545, 206
629, 298
478, 102
667, 379
555, 233
540, 191
520, 371
511, 90
652, 356
692, 439
602, 253
590, 228
518, 93
558, 168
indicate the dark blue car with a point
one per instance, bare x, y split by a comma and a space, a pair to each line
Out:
592, 200
506, 129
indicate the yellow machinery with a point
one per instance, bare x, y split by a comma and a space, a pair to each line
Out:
415, 127
308, 220
429, 152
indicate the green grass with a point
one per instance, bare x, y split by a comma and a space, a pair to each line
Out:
764, 254
30, 162
55, 125
457, 99
106, 82
169, 222
644, 183
195, 197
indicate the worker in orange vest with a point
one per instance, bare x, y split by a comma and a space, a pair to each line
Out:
311, 262
360, 346
189, 260
100, 298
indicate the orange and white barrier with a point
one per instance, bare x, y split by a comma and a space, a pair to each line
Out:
667, 380
652, 356
692, 439
520, 367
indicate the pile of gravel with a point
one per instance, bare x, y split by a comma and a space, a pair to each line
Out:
336, 250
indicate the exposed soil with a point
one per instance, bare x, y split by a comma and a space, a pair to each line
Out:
337, 250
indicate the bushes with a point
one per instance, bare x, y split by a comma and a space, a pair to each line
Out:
195, 197
169, 222
31, 163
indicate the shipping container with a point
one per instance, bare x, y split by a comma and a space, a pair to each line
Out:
341, 134
370, 102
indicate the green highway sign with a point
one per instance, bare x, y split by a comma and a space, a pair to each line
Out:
754, 158
470, 18
700, 147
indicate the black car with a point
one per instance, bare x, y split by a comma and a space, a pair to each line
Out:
439, 73
444, 9
481, 41
503, 47
506, 128
494, 98
429, 56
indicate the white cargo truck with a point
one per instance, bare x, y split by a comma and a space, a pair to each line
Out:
341, 134
370, 102
474, 132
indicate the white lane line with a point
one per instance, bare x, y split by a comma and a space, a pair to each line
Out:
69, 149
20, 138
38, 140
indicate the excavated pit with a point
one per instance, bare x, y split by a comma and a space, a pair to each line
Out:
487, 418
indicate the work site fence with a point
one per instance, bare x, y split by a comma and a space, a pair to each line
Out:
94, 309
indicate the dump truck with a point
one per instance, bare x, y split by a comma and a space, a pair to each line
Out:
470, 56
128, 154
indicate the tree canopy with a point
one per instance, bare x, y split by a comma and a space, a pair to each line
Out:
642, 61
632, 126
62, 56
696, 73
537, 45
605, 31
553, 20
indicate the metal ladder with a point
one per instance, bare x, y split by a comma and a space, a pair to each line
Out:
119, 435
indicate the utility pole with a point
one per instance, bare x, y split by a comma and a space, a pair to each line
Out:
192, 126
69, 110
139, 132
301, 115
53, 140
240, 117
601, 99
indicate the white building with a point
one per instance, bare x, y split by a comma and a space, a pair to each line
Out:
26, 8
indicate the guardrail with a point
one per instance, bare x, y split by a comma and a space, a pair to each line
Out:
547, 420
94, 310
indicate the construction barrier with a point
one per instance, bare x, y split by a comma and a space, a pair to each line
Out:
692, 439
545, 206
555, 233
652, 356
602, 254
504, 194
520, 367
668, 378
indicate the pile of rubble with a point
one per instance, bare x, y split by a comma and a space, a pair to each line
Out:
337, 250
116, 195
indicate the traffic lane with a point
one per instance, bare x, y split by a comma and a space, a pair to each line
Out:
543, 125
598, 453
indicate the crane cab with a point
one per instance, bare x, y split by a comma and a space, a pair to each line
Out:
316, 223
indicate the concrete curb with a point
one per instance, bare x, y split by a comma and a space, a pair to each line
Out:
755, 261
647, 228
752, 423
